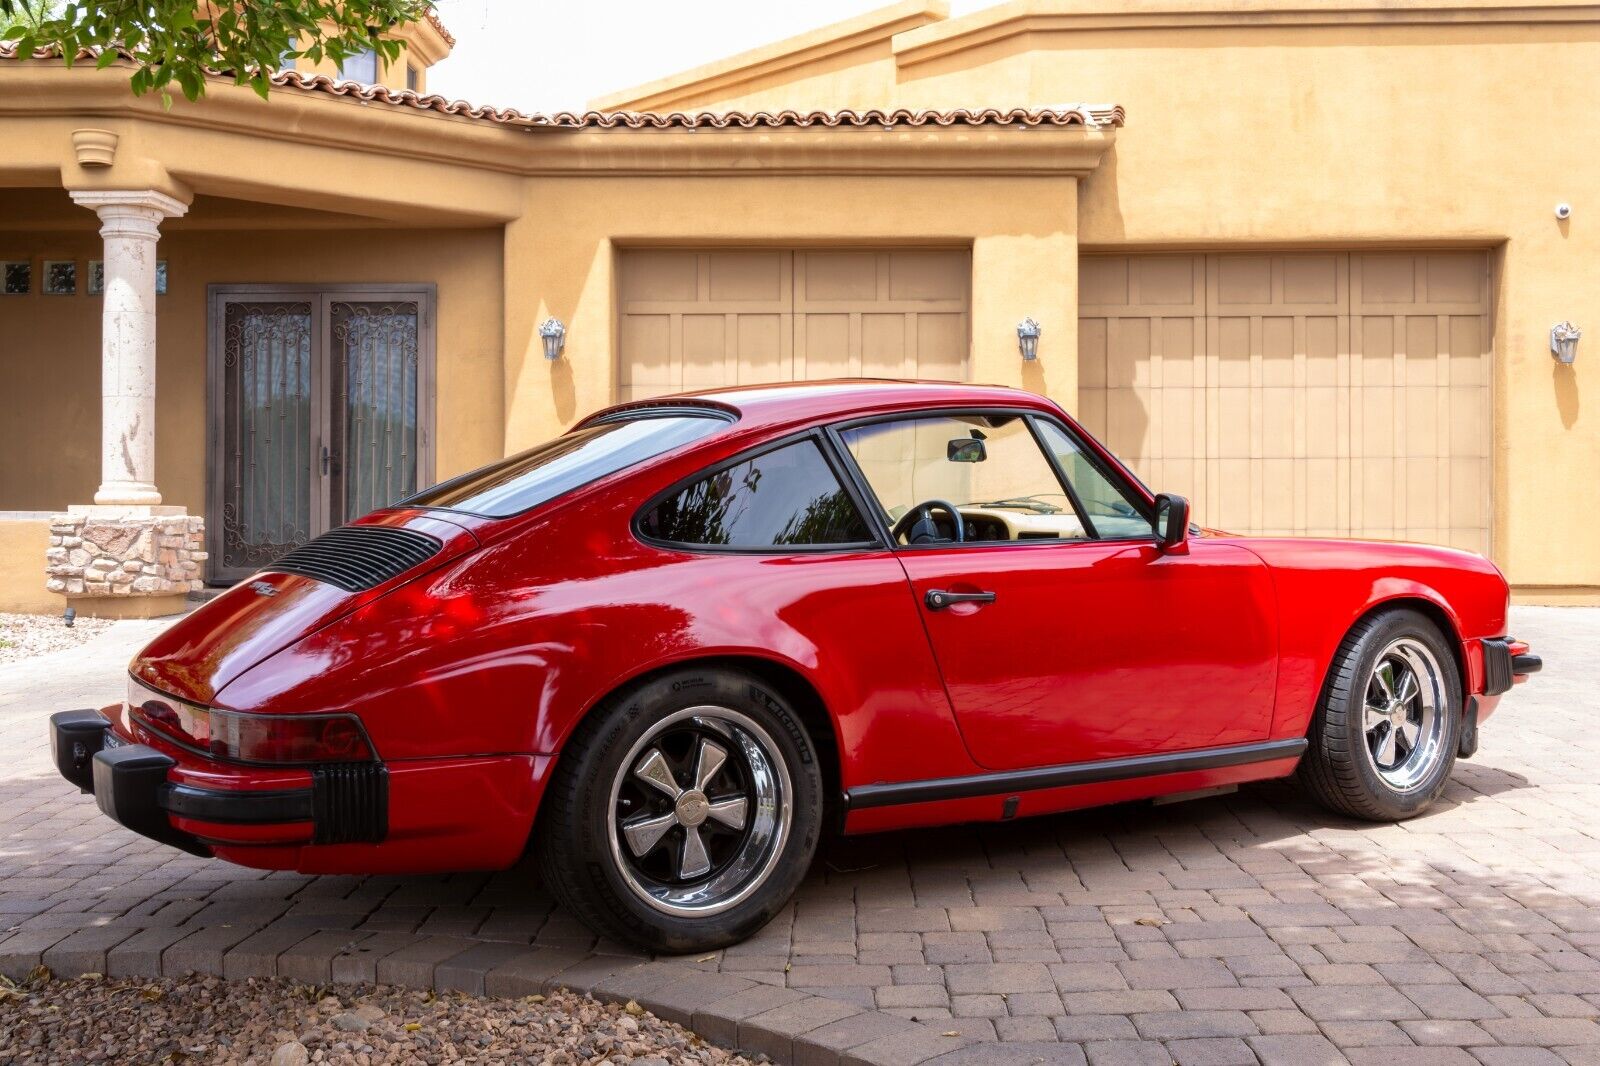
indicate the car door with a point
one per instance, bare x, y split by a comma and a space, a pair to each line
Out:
1063, 632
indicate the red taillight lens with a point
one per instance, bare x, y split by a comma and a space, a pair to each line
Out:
277, 739
298, 738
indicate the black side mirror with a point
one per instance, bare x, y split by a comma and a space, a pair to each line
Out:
965, 450
1172, 520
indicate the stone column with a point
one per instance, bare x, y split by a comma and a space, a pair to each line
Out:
130, 225
127, 555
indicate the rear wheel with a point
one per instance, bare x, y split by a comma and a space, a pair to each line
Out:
683, 815
1384, 739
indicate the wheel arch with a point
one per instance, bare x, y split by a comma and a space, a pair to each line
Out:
789, 681
1431, 609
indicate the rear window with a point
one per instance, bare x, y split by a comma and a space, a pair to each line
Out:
552, 469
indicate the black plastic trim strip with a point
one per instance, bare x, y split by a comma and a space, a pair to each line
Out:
1496, 665
237, 808
1084, 773
1526, 664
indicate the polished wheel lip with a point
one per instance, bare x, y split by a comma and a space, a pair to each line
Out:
765, 816
1404, 710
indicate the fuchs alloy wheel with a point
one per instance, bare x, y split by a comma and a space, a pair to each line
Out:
1384, 738
683, 814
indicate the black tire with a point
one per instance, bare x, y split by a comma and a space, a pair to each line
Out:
1341, 768
585, 851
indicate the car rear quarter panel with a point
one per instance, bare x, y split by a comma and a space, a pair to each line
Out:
506, 650
1325, 586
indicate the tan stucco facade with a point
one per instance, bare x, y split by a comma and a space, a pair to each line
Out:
1333, 128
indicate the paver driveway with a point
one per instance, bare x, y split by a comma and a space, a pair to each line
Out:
1240, 929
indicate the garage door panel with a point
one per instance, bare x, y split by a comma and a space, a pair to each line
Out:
1341, 394
652, 372
941, 346
1243, 281
763, 349
936, 277
883, 345
1312, 279
823, 346
851, 277
705, 351
1468, 351
1092, 343
1420, 358
747, 277
1128, 353
700, 319
658, 276
1103, 281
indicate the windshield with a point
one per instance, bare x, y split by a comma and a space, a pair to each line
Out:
555, 468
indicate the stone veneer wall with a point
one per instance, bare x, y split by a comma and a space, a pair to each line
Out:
95, 556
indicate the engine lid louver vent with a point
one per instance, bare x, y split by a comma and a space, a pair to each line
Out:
357, 558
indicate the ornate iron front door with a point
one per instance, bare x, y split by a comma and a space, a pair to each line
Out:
321, 403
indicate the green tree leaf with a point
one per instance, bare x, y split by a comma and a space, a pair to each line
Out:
180, 42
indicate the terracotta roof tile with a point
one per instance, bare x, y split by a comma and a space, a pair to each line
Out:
1090, 116
437, 23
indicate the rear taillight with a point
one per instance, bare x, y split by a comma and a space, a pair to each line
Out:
295, 739
234, 736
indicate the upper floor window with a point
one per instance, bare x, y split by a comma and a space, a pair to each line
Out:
413, 78
362, 67
785, 497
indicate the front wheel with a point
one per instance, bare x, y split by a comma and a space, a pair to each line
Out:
1383, 740
683, 815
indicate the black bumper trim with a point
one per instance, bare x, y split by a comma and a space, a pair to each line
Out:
237, 808
75, 736
1526, 664
345, 803
1496, 665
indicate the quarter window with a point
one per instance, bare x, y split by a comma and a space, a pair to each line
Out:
785, 497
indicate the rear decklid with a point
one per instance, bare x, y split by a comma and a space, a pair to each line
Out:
297, 595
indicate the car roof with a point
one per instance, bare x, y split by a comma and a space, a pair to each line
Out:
842, 398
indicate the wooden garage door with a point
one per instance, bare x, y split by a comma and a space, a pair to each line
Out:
693, 320
1315, 394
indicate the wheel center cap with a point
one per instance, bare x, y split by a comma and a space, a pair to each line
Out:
692, 808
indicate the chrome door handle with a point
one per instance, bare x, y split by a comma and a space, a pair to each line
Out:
939, 599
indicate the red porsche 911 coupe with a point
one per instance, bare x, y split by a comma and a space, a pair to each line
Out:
674, 648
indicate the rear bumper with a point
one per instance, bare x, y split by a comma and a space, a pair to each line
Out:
414, 816
133, 785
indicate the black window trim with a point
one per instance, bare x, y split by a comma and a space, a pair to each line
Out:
877, 513
614, 418
830, 457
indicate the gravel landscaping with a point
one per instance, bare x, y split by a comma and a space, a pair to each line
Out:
25, 636
272, 1022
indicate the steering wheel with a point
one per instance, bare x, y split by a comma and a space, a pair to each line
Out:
917, 527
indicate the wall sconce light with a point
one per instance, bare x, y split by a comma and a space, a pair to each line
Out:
1028, 339
554, 335
1564, 341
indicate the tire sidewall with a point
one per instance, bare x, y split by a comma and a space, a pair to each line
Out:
632, 716
1399, 805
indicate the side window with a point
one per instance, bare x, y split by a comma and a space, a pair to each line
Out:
784, 497
989, 467
1113, 513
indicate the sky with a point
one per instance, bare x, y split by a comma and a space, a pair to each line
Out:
538, 55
